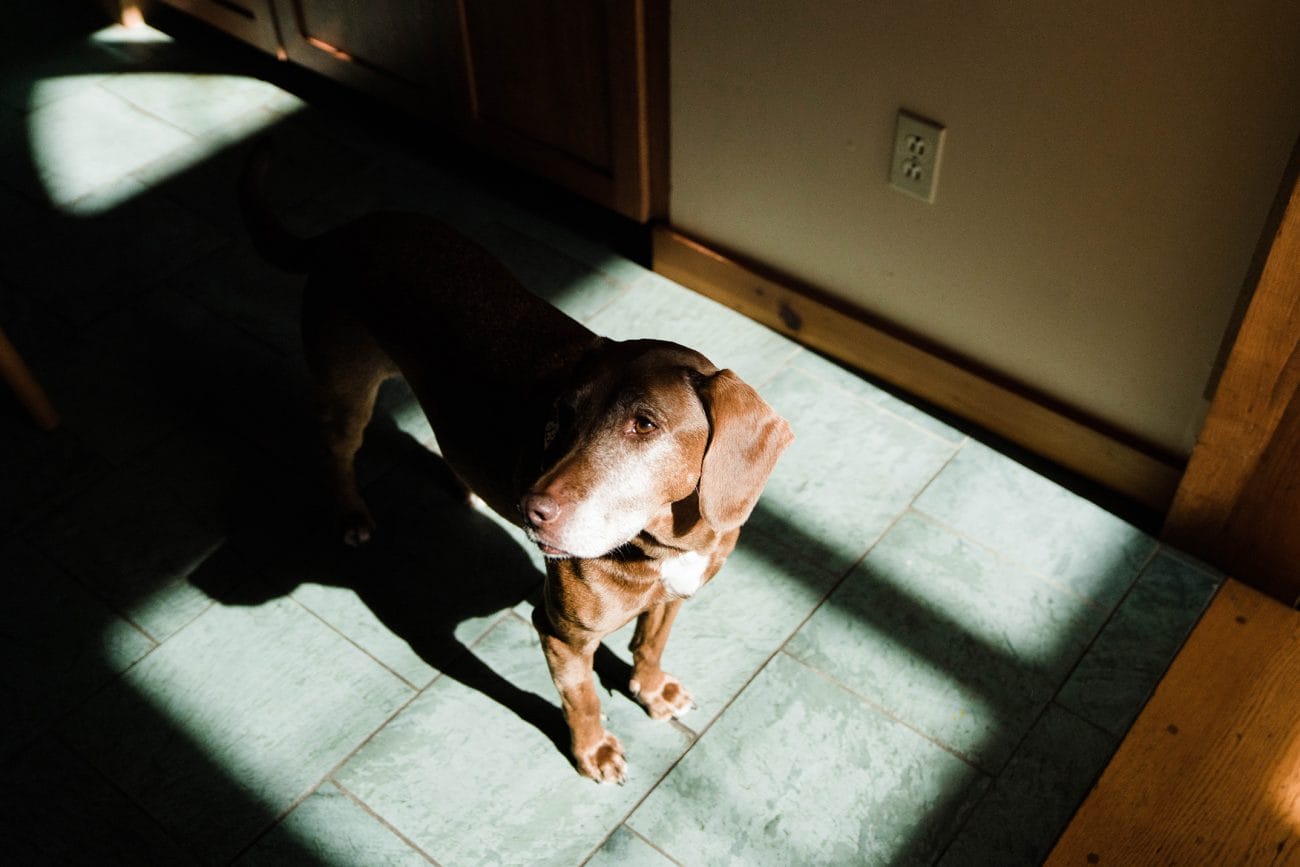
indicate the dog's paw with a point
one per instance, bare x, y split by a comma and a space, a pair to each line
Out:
357, 528
666, 700
603, 762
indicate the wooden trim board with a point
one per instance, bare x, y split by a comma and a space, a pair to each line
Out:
1141, 473
1210, 772
1238, 503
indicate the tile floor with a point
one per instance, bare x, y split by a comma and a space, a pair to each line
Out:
922, 652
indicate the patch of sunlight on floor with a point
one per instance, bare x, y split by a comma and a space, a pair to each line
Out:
132, 31
100, 138
1285, 785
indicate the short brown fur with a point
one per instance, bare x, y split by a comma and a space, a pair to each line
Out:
544, 421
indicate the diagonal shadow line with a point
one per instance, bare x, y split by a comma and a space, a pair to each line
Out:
433, 565
892, 605
63, 793
911, 624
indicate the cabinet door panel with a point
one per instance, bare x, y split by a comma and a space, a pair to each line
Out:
574, 91
249, 20
542, 70
406, 51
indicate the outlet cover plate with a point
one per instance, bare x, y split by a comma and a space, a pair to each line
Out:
918, 144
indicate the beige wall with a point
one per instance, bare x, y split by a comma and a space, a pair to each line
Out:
1107, 172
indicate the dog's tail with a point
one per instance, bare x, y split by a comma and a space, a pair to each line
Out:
271, 239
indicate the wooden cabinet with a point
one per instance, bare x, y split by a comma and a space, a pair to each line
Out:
249, 20
575, 92
405, 52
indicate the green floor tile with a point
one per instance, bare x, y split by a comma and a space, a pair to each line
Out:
962, 645
329, 828
626, 849
130, 540
43, 470
658, 308
1120, 670
476, 771
572, 285
413, 618
199, 103
799, 771
1034, 521
850, 473
237, 284
223, 727
60, 644
118, 409
116, 260
90, 139
60, 810
1027, 807
841, 377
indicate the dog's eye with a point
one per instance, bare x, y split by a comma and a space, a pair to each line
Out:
643, 425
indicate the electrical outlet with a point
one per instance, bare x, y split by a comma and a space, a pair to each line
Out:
918, 144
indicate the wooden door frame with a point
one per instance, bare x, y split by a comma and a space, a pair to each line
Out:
1238, 504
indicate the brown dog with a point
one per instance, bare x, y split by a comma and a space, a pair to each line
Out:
631, 465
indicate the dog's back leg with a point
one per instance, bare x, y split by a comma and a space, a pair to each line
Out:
348, 367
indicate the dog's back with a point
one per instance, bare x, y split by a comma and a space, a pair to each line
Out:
398, 292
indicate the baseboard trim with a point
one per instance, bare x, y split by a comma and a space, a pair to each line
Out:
1135, 470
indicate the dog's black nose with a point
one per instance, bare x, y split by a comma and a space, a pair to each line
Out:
540, 509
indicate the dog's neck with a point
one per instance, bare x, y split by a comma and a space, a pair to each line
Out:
677, 529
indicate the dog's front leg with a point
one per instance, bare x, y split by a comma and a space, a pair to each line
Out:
596, 752
662, 694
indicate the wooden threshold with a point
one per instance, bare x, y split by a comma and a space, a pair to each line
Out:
1137, 471
1210, 772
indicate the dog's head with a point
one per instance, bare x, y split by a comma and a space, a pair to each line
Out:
645, 425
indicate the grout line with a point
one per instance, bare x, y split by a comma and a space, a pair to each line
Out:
650, 843
879, 406
111, 784
1092, 778
1047, 577
745, 686
391, 827
970, 761
784, 365
633, 831
441, 674
624, 292
415, 688
95, 593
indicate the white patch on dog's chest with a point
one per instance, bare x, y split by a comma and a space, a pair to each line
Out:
682, 574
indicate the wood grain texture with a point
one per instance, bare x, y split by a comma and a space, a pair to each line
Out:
540, 69
1210, 772
575, 92
1141, 474
1239, 502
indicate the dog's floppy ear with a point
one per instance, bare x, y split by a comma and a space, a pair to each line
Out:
746, 437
